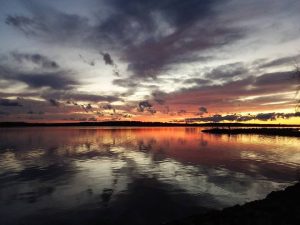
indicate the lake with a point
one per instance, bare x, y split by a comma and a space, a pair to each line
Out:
84, 175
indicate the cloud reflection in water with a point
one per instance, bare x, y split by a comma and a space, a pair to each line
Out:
135, 175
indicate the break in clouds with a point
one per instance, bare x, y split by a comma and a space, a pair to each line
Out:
198, 61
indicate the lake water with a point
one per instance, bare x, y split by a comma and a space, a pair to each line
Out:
135, 176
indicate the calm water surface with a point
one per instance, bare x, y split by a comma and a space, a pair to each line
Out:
135, 175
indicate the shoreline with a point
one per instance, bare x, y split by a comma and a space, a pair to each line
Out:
140, 124
279, 207
290, 132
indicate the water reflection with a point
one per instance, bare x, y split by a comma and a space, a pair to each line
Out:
135, 175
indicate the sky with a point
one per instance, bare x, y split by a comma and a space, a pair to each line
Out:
149, 60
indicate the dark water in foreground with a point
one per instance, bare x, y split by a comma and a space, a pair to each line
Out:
135, 175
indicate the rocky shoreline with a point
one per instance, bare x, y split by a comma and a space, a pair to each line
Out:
279, 207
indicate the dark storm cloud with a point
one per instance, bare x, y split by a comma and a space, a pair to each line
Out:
158, 96
228, 71
263, 84
133, 84
19, 95
266, 116
94, 97
55, 80
233, 95
154, 56
37, 59
54, 102
49, 24
146, 106
48, 109
243, 118
150, 36
177, 12
159, 101
58, 80
107, 107
73, 96
284, 61
275, 79
202, 110
127, 83
35, 113
197, 81
22, 22
107, 59
215, 118
87, 107
9, 103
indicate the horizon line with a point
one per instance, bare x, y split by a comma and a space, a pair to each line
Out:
135, 124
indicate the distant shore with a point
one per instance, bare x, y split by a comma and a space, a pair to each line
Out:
278, 208
138, 124
292, 132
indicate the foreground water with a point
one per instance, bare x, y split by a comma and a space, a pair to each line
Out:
135, 175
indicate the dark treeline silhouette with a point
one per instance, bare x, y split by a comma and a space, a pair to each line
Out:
139, 124
294, 132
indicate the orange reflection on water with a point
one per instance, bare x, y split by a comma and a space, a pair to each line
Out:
178, 168
186, 145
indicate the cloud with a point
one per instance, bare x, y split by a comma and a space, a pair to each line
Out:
74, 96
35, 113
149, 37
266, 116
154, 41
55, 80
109, 61
215, 118
87, 107
288, 60
143, 105
37, 59
228, 71
158, 96
107, 107
181, 112
246, 94
9, 103
202, 110
54, 102
146, 106
127, 83
243, 118
197, 81
160, 101
58, 80
89, 62
21, 22
154, 57
49, 24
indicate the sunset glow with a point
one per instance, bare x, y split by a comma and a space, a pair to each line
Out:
172, 61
